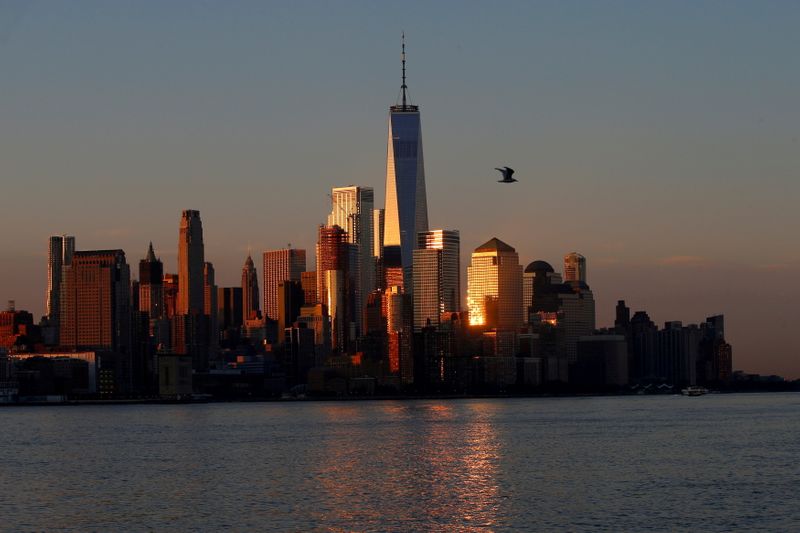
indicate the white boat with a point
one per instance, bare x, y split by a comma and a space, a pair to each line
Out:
694, 390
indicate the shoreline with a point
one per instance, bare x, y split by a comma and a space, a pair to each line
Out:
193, 401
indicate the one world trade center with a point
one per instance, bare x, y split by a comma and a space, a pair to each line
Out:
406, 212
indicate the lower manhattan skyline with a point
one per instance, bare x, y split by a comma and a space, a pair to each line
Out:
359, 266
660, 143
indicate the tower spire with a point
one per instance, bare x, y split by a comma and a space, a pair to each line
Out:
151, 255
403, 59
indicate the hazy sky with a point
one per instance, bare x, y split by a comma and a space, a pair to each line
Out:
659, 139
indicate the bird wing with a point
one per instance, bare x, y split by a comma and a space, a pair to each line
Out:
510, 171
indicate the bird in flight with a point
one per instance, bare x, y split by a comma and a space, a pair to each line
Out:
507, 173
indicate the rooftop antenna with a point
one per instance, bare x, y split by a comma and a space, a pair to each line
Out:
403, 59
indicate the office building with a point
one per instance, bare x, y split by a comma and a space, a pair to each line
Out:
96, 301
280, 265
494, 286
574, 267
191, 299
352, 210
60, 250
436, 274
250, 294
406, 210
151, 285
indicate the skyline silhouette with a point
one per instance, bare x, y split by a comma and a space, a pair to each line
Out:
670, 165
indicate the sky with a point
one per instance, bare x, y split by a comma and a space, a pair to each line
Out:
659, 139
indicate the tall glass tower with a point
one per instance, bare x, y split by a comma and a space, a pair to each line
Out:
406, 212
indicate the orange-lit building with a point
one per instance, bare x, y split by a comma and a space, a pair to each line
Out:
280, 265
494, 286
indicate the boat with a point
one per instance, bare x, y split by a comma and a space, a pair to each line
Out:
694, 390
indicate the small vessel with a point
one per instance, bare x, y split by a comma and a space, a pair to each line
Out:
694, 390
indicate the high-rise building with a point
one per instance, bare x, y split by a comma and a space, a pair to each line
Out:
331, 255
437, 279
229, 308
190, 265
494, 286
210, 303
290, 300
171, 295
280, 265
352, 209
95, 305
61, 248
151, 285
336, 282
567, 306
377, 247
406, 212
250, 295
308, 280
574, 267
537, 279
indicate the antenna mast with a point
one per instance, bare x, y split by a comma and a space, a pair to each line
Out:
403, 58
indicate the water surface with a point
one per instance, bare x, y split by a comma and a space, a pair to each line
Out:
664, 463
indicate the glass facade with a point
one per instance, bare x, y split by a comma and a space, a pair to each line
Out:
436, 274
352, 209
406, 212
494, 286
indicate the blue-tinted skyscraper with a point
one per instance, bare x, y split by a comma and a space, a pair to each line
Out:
406, 212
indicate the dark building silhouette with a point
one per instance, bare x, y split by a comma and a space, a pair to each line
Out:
95, 306
250, 294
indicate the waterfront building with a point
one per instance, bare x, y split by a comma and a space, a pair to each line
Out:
16, 327
95, 301
602, 361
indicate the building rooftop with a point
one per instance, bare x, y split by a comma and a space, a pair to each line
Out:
539, 266
494, 245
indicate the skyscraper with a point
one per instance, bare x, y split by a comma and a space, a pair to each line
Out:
331, 255
96, 301
436, 273
574, 267
352, 210
280, 265
190, 265
250, 294
210, 303
537, 279
151, 285
406, 212
60, 253
494, 286
335, 256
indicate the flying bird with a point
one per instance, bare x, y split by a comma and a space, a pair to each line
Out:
507, 173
